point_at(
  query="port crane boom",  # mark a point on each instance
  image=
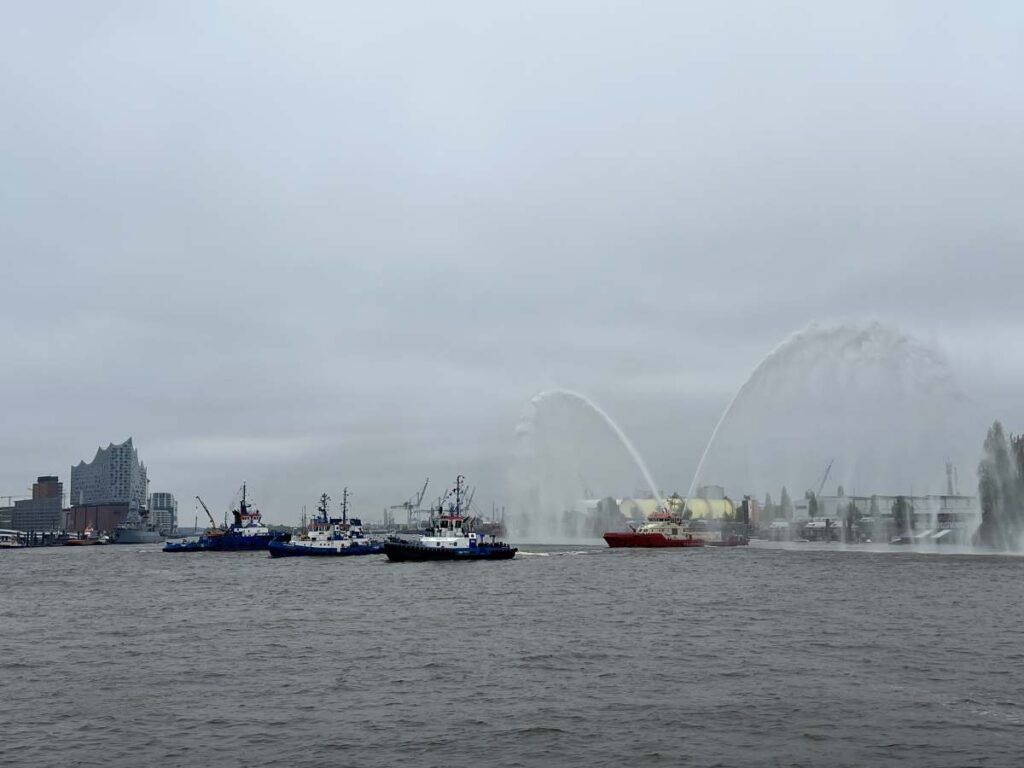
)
(410, 506)
(824, 477)
(213, 523)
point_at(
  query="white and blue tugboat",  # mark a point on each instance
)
(247, 533)
(328, 536)
(447, 540)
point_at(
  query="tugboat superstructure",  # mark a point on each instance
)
(328, 536)
(447, 539)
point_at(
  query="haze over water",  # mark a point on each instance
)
(574, 657)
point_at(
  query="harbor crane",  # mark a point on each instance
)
(824, 477)
(410, 506)
(213, 523)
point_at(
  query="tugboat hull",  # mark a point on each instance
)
(401, 551)
(185, 546)
(221, 544)
(289, 549)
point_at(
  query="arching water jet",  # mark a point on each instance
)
(557, 468)
(883, 404)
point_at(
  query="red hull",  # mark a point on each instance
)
(647, 540)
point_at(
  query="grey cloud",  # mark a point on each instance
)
(337, 243)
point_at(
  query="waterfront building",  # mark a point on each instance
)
(98, 517)
(106, 489)
(7, 517)
(114, 476)
(163, 512)
(946, 518)
(44, 511)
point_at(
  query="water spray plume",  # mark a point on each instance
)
(883, 404)
(553, 462)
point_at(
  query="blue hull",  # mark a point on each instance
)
(227, 543)
(184, 546)
(402, 551)
(288, 549)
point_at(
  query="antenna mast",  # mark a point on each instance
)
(458, 494)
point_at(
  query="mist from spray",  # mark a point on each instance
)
(1001, 491)
(569, 449)
(882, 407)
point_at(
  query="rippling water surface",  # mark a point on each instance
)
(126, 656)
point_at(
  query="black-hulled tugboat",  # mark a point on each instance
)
(328, 536)
(246, 534)
(447, 540)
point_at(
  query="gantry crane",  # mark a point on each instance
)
(410, 506)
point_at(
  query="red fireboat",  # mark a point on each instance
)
(663, 529)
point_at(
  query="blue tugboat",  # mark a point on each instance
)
(447, 540)
(328, 536)
(246, 534)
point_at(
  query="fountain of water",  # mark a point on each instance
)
(1001, 491)
(568, 449)
(883, 405)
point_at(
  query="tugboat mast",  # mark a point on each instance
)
(322, 508)
(344, 506)
(458, 493)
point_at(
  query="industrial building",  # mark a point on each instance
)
(43, 512)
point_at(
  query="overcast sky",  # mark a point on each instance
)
(316, 244)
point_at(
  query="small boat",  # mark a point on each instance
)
(447, 540)
(87, 537)
(10, 540)
(663, 529)
(328, 536)
(247, 533)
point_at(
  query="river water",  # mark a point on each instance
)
(565, 656)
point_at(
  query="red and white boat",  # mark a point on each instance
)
(662, 529)
(669, 529)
